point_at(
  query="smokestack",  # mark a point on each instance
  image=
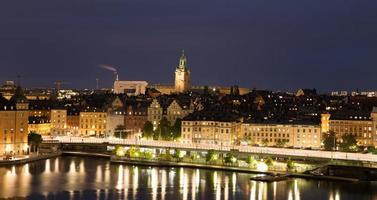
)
(113, 69)
(97, 83)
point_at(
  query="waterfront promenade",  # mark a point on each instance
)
(318, 154)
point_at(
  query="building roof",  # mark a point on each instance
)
(212, 116)
(350, 115)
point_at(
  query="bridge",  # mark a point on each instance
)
(278, 152)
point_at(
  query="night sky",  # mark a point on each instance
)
(267, 44)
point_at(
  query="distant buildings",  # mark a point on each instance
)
(183, 84)
(131, 88)
(209, 114)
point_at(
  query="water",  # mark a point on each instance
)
(88, 178)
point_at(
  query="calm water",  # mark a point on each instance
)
(88, 178)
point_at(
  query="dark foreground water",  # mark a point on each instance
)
(88, 178)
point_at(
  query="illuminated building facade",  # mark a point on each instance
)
(155, 113)
(93, 123)
(209, 132)
(14, 124)
(58, 119)
(362, 125)
(290, 135)
(182, 76)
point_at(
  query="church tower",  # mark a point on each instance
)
(182, 75)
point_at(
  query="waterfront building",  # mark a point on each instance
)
(40, 125)
(290, 134)
(209, 132)
(361, 124)
(135, 118)
(73, 121)
(14, 114)
(210, 127)
(115, 115)
(93, 123)
(58, 119)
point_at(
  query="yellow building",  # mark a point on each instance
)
(210, 132)
(358, 123)
(290, 135)
(93, 123)
(155, 113)
(73, 123)
(175, 111)
(40, 125)
(14, 124)
(58, 119)
(182, 75)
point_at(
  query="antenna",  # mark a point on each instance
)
(97, 83)
(18, 80)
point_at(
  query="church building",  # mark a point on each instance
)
(182, 75)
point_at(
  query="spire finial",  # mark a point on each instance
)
(183, 51)
(18, 80)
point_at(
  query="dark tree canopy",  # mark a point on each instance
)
(348, 143)
(148, 130)
(329, 141)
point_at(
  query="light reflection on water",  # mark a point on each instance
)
(86, 178)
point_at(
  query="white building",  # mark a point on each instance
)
(132, 88)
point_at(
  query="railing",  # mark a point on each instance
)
(245, 149)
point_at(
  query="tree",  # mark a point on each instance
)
(148, 155)
(147, 130)
(133, 152)
(250, 160)
(120, 132)
(178, 154)
(230, 158)
(119, 151)
(166, 156)
(34, 139)
(194, 156)
(281, 143)
(329, 141)
(211, 156)
(348, 143)
(265, 142)
(290, 165)
(176, 129)
(269, 162)
(164, 129)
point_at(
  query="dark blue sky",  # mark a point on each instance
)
(267, 44)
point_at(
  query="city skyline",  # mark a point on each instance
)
(280, 46)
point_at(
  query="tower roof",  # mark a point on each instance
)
(183, 62)
(18, 96)
(183, 55)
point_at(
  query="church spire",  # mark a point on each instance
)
(182, 61)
